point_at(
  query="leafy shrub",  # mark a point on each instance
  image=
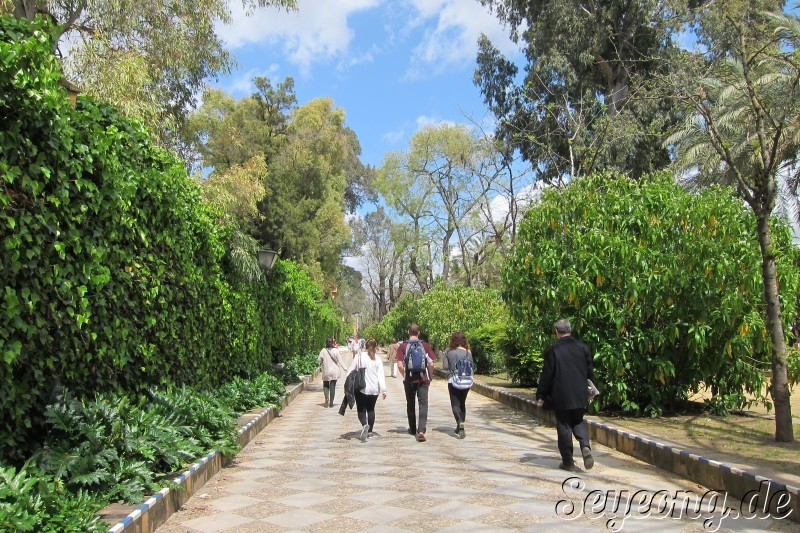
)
(265, 390)
(663, 284)
(395, 324)
(303, 365)
(104, 446)
(490, 347)
(439, 312)
(33, 501)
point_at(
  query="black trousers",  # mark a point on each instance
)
(417, 391)
(458, 402)
(569, 423)
(365, 405)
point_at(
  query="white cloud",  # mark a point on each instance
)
(424, 121)
(318, 30)
(242, 83)
(394, 137)
(454, 39)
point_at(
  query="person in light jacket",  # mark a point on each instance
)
(367, 397)
(331, 363)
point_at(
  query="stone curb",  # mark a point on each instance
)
(157, 509)
(760, 492)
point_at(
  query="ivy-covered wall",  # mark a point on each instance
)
(112, 274)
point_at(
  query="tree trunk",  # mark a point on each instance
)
(446, 254)
(780, 378)
(418, 274)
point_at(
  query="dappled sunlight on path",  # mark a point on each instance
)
(308, 471)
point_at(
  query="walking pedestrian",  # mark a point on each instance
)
(331, 362)
(563, 385)
(415, 361)
(458, 363)
(375, 385)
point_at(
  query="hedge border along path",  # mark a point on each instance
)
(156, 510)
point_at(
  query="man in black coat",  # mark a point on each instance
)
(563, 383)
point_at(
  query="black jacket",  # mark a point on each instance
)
(562, 383)
(349, 392)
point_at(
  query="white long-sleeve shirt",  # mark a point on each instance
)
(374, 376)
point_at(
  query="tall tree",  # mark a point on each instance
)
(383, 249)
(374, 235)
(224, 132)
(584, 102)
(304, 205)
(461, 191)
(148, 58)
(743, 129)
(411, 199)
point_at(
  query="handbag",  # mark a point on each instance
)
(361, 376)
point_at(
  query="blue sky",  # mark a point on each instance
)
(392, 65)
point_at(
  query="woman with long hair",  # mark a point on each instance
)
(331, 362)
(375, 384)
(457, 361)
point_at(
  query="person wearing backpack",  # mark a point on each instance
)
(415, 361)
(458, 362)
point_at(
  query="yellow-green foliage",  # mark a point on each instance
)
(665, 286)
(440, 312)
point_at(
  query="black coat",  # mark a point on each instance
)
(562, 383)
(349, 392)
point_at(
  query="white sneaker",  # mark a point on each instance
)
(364, 433)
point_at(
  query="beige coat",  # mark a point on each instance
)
(330, 361)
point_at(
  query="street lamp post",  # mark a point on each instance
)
(266, 258)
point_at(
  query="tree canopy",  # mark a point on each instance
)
(147, 58)
(584, 101)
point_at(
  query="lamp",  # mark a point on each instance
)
(266, 258)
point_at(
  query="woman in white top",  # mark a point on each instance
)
(331, 362)
(375, 385)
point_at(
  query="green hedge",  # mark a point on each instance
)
(665, 286)
(112, 264)
(477, 312)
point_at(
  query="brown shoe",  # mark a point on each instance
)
(421, 437)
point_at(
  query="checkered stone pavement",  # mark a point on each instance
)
(308, 471)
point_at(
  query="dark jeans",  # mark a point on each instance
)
(365, 405)
(417, 391)
(569, 423)
(458, 401)
(332, 386)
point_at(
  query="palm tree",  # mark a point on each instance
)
(742, 129)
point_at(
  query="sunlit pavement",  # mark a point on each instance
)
(308, 471)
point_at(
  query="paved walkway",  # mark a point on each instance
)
(308, 471)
